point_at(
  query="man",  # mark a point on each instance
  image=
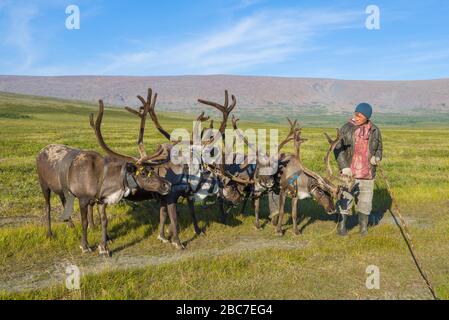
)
(358, 153)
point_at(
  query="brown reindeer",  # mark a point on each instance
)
(186, 182)
(246, 177)
(299, 182)
(93, 179)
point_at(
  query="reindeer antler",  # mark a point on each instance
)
(160, 155)
(297, 142)
(222, 172)
(142, 114)
(294, 127)
(225, 109)
(149, 106)
(96, 125)
(241, 136)
(201, 118)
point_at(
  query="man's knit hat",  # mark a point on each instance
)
(365, 109)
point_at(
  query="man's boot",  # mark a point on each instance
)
(341, 229)
(363, 224)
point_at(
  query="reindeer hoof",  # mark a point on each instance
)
(70, 224)
(200, 232)
(178, 246)
(50, 235)
(257, 226)
(85, 249)
(279, 232)
(162, 239)
(103, 252)
(296, 232)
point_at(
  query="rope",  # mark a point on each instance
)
(405, 233)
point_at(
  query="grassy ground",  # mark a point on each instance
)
(228, 262)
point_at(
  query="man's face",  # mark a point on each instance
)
(359, 118)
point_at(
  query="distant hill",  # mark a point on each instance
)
(262, 97)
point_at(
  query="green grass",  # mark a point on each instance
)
(229, 262)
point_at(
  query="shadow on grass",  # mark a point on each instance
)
(309, 211)
(381, 203)
(146, 213)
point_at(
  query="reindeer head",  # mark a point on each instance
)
(264, 178)
(324, 199)
(323, 190)
(232, 191)
(143, 168)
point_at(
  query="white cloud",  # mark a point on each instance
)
(19, 34)
(261, 38)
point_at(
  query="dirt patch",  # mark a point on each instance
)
(19, 221)
(43, 277)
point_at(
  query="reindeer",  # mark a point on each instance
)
(298, 182)
(187, 180)
(246, 178)
(93, 179)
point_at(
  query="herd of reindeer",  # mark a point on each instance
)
(100, 180)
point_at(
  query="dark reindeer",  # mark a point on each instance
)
(299, 182)
(93, 179)
(247, 179)
(200, 184)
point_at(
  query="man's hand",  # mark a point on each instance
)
(374, 160)
(346, 172)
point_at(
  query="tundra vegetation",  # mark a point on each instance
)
(229, 261)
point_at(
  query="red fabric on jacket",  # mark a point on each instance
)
(360, 165)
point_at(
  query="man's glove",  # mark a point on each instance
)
(346, 172)
(374, 160)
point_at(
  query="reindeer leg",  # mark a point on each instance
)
(69, 221)
(83, 208)
(222, 217)
(192, 212)
(242, 211)
(47, 192)
(281, 213)
(273, 204)
(90, 216)
(162, 218)
(103, 247)
(295, 215)
(171, 208)
(256, 212)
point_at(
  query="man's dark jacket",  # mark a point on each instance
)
(344, 150)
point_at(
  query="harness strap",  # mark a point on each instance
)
(130, 181)
(291, 184)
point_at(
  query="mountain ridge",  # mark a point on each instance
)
(261, 94)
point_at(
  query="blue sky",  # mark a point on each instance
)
(325, 39)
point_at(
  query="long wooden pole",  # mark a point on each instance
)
(405, 233)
